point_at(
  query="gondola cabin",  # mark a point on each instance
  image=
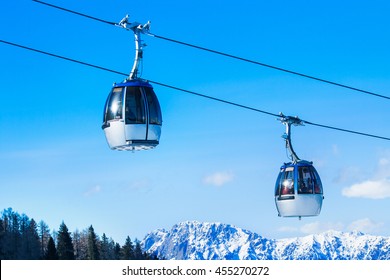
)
(132, 116)
(298, 190)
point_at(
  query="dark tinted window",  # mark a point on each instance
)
(317, 183)
(154, 107)
(277, 185)
(305, 180)
(285, 182)
(114, 103)
(134, 106)
(309, 181)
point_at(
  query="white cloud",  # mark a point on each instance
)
(92, 191)
(365, 225)
(288, 229)
(378, 189)
(218, 179)
(318, 227)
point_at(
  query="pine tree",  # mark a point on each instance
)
(127, 251)
(113, 251)
(138, 255)
(105, 248)
(64, 244)
(24, 251)
(117, 251)
(51, 251)
(44, 236)
(2, 234)
(31, 241)
(12, 236)
(93, 251)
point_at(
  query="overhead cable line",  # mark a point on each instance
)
(62, 57)
(74, 12)
(215, 99)
(192, 92)
(345, 130)
(230, 55)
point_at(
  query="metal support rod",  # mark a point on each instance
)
(138, 55)
(288, 121)
(138, 29)
(289, 146)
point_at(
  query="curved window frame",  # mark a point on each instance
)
(115, 99)
(310, 184)
(317, 183)
(135, 109)
(305, 180)
(155, 116)
(285, 183)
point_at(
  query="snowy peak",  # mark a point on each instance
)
(204, 241)
(333, 245)
(216, 241)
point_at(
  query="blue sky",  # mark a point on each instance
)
(215, 162)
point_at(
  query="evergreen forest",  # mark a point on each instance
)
(22, 238)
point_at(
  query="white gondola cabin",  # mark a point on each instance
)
(132, 116)
(298, 190)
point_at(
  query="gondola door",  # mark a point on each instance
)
(142, 117)
(113, 122)
(136, 118)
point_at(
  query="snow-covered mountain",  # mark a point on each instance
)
(215, 241)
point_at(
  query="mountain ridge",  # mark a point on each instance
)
(193, 240)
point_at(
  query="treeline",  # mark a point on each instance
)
(22, 238)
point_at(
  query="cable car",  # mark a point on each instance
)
(298, 187)
(298, 190)
(132, 115)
